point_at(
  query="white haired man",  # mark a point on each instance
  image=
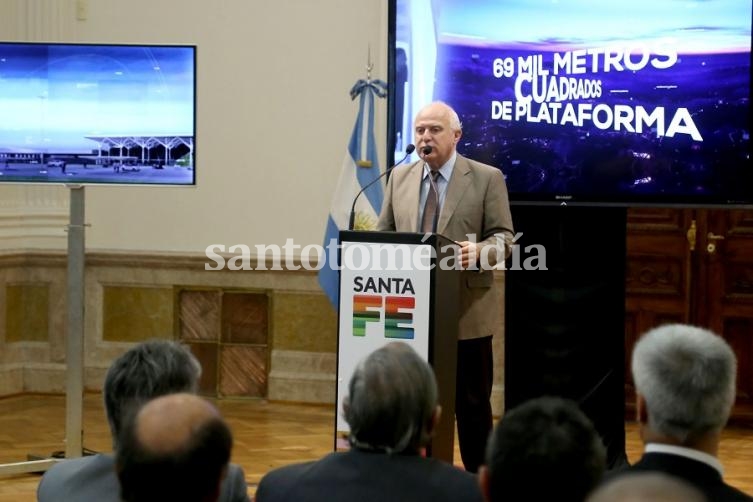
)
(685, 381)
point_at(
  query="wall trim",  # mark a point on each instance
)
(299, 376)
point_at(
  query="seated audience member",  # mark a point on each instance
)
(391, 409)
(176, 447)
(685, 381)
(544, 449)
(147, 370)
(646, 487)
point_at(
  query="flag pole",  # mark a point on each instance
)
(369, 64)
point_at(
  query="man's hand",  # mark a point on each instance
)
(468, 254)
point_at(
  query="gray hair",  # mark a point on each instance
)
(391, 398)
(646, 487)
(147, 370)
(687, 377)
(455, 123)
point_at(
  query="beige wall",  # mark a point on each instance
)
(273, 119)
(131, 297)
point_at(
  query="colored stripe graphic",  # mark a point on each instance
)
(398, 323)
(366, 308)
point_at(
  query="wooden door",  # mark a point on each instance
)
(694, 266)
(725, 293)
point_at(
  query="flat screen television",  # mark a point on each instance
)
(97, 114)
(580, 102)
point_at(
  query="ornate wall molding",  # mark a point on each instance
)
(34, 216)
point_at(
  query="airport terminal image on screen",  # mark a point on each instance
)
(114, 114)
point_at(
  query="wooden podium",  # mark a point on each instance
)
(393, 287)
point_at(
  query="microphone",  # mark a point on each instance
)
(426, 150)
(408, 150)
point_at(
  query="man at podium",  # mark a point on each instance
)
(465, 201)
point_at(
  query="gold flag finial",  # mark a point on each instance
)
(369, 64)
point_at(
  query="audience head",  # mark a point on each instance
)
(544, 449)
(392, 401)
(685, 377)
(176, 447)
(646, 487)
(146, 371)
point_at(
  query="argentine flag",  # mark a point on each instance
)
(360, 167)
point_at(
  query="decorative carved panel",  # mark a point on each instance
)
(228, 332)
(740, 222)
(27, 312)
(243, 371)
(655, 220)
(739, 333)
(245, 318)
(738, 282)
(654, 275)
(199, 315)
(135, 314)
(208, 356)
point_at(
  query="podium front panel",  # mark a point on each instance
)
(385, 293)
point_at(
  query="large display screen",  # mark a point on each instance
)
(84, 114)
(631, 103)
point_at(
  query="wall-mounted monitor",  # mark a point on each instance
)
(629, 103)
(97, 114)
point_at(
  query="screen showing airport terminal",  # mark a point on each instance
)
(89, 114)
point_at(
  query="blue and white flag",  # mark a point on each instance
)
(360, 167)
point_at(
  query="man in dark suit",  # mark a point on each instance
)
(465, 201)
(391, 409)
(685, 380)
(148, 370)
(175, 447)
(543, 449)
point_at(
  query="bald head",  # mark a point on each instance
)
(176, 447)
(437, 125)
(168, 423)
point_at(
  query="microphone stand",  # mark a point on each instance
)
(351, 221)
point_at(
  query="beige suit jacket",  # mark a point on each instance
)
(477, 209)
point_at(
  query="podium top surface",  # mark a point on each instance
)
(394, 237)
